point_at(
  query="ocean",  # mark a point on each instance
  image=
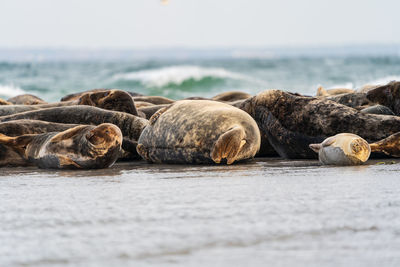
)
(265, 212)
(53, 75)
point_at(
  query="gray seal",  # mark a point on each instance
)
(199, 131)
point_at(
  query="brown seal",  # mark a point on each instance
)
(130, 125)
(231, 96)
(75, 96)
(156, 100)
(387, 95)
(321, 91)
(389, 146)
(81, 147)
(4, 102)
(26, 99)
(292, 122)
(115, 100)
(199, 131)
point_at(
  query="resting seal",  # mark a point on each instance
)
(81, 147)
(115, 100)
(156, 100)
(387, 95)
(342, 149)
(292, 122)
(75, 96)
(321, 91)
(231, 96)
(199, 131)
(26, 99)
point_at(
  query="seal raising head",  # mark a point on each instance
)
(343, 149)
(81, 147)
(199, 131)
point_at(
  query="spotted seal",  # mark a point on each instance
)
(199, 131)
(389, 146)
(81, 147)
(342, 149)
(292, 121)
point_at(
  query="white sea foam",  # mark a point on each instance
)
(10, 90)
(384, 80)
(161, 77)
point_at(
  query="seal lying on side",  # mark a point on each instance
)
(115, 100)
(231, 96)
(26, 99)
(81, 147)
(21, 127)
(199, 131)
(342, 149)
(292, 121)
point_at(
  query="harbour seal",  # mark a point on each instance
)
(150, 110)
(199, 131)
(26, 99)
(342, 149)
(387, 95)
(378, 109)
(81, 147)
(292, 122)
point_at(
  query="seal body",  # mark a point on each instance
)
(26, 99)
(199, 131)
(387, 95)
(292, 122)
(342, 149)
(81, 147)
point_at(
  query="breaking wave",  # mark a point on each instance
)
(178, 75)
(10, 90)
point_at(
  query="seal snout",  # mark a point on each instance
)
(106, 134)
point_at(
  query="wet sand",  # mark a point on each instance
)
(267, 212)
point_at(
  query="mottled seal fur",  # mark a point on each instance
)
(389, 146)
(231, 96)
(26, 99)
(387, 95)
(131, 126)
(342, 149)
(199, 131)
(156, 100)
(292, 122)
(378, 109)
(75, 96)
(81, 147)
(115, 100)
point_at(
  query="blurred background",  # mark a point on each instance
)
(181, 48)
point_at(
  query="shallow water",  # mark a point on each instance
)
(268, 212)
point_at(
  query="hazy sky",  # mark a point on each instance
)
(197, 23)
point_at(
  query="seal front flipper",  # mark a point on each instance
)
(228, 145)
(67, 162)
(67, 134)
(390, 145)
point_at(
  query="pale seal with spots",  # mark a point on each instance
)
(81, 147)
(342, 149)
(199, 131)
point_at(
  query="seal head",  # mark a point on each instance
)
(342, 149)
